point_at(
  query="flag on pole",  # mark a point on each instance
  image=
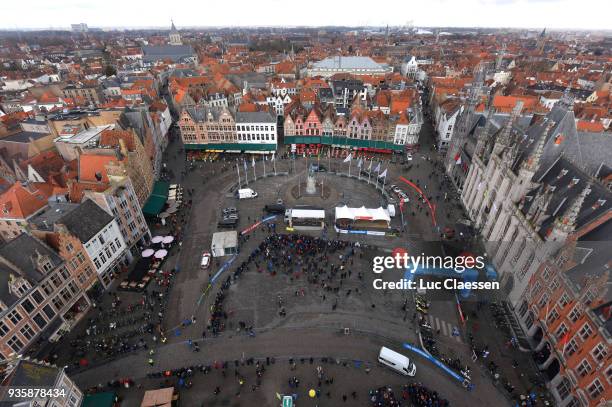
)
(383, 174)
(253, 163)
(377, 169)
(348, 158)
(359, 163)
(245, 165)
(272, 157)
(564, 340)
(370, 167)
(458, 158)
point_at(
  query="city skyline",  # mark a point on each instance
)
(520, 14)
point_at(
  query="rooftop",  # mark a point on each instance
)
(86, 220)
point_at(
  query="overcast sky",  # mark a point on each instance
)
(583, 14)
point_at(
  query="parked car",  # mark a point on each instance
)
(229, 211)
(275, 208)
(205, 263)
(246, 193)
(233, 216)
(227, 224)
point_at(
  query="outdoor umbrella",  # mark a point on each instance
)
(148, 253)
(164, 215)
(157, 239)
(168, 239)
(160, 254)
(172, 209)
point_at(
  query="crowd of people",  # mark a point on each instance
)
(295, 256)
(412, 394)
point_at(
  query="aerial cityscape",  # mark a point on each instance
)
(357, 210)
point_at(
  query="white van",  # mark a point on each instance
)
(396, 361)
(246, 193)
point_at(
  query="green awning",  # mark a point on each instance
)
(157, 199)
(232, 147)
(344, 142)
(106, 399)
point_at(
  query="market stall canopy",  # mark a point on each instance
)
(363, 213)
(160, 254)
(158, 398)
(157, 199)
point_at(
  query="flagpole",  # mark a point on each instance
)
(254, 173)
(264, 165)
(370, 171)
(274, 163)
(238, 171)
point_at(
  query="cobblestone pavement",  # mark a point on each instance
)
(311, 328)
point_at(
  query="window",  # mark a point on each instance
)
(575, 314)
(37, 297)
(526, 266)
(564, 300)
(571, 348)
(65, 274)
(552, 316)
(80, 257)
(523, 309)
(546, 273)
(543, 300)
(599, 352)
(4, 329)
(554, 284)
(609, 374)
(102, 258)
(595, 389)
(15, 344)
(584, 368)
(49, 311)
(14, 316)
(97, 263)
(58, 303)
(101, 238)
(27, 305)
(27, 332)
(55, 279)
(564, 388)
(40, 321)
(69, 247)
(561, 331)
(585, 332)
(46, 286)
(66, 295)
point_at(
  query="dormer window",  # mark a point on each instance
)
(47, 266)
(599, 203)
(573, 182)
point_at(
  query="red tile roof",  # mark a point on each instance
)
(92, 164)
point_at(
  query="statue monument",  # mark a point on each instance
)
(311, 183)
